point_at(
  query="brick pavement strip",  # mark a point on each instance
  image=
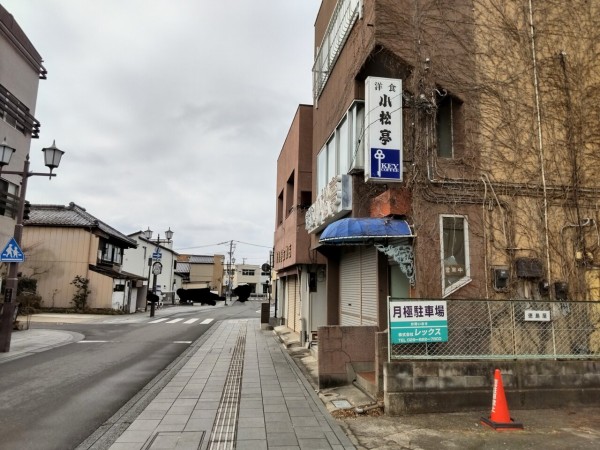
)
(277, 406)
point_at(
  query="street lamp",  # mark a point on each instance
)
(156, 266)
(52, 156)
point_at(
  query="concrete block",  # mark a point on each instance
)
(405, 369)
(477, 382)
(539, 381)
(397, 383)
(426, 369)
(450, 383)
(426, 383)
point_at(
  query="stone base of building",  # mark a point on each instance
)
(452, 386)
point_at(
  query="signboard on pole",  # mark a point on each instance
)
(418, 321)
(383, 129)
(12, 252)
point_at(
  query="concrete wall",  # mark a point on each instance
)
(343, 350)
(449, 386)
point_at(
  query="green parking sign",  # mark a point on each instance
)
(418, 321)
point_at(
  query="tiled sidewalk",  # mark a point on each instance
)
(240, 390)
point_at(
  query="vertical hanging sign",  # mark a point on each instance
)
(383, 123)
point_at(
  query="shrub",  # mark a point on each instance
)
(81, 292)
(29, 301)
(26, 284)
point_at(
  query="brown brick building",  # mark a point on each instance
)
(471, 177)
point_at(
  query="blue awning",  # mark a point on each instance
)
(359, 230)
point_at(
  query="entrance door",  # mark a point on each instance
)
(399, 284)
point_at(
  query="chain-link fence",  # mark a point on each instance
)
(513, 329)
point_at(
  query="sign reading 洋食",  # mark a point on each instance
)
(418, 321)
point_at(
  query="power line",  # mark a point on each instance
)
(201, 246)
(224, 243)
(255, 245)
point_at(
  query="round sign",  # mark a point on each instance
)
(265, 267)
(157, 268)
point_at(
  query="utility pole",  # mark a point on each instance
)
(229, 270)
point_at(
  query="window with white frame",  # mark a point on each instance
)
(343, 151)
(109, 253)
(248, 272)
(454, 240)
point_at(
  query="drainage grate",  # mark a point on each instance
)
(341, 404)
(224, 429)
(173, 439)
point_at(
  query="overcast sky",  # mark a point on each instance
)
(171, 112)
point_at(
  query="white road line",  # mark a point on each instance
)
(159, 320)
(182, 342)
(191, 321)
(205, 321)
(90, 342)
(175, 320)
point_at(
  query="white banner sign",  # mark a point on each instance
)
(383, 123)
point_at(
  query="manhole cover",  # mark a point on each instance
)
(183, 439)
(341, 404)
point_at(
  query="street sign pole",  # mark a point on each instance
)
(156, 270)
(9, 306)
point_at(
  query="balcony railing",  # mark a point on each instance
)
(343, 18)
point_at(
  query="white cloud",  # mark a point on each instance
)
(172, 112)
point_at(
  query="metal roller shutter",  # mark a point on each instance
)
(369, 286)
(292, 298)
(358, 286)
(298, 305)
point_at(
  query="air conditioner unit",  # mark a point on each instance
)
(529, 268)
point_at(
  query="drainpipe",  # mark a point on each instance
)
(539, 138)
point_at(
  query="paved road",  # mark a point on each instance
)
(57, 398)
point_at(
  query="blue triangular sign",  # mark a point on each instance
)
(12, 252)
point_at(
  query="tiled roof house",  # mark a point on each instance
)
(62, 242)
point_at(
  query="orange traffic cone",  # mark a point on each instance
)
(500, 419)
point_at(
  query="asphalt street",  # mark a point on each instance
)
(53, 395)
(56, 398)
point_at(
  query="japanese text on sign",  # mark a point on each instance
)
(418, 321)
(383, 122)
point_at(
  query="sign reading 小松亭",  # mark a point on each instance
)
(414, 322)
(383, 125)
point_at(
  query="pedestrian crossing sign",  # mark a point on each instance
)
(12, 252)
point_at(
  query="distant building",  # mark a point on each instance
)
(199, 271)
(62, 242)
(139, 261)
(249, 274)
(300, 271)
